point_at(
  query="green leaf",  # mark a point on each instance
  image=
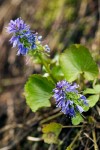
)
(85, 107)
(51, 132)
(77, 60)
(89, 91)
(95, 90)
(38, 91)
(77, 119)
(57, 72)
(93, 100)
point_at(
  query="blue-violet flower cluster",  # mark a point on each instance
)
(22, 37)
(68, 99)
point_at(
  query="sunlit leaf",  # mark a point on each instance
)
(57, 72)
(85, 107)
(93, 99)
(94, 90)
(97, 89)
(89, 91)
(77, 119)
(77, 60)
(38, 91)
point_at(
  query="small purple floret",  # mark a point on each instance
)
(47, 48)
(22, 50)
(83, 98)
(79, 108)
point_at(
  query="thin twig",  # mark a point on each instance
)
(88, 137)
(74, 140)
(79, 126)
(51, 117)
(94, 139)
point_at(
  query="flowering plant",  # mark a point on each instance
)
(62, 76)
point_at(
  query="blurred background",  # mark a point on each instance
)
(61, 23)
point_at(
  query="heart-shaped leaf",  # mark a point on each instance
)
(38, 91)
(78, 60)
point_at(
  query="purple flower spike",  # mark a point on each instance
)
(68, 99)
(22, 37)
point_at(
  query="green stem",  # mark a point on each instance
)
(79, 126)
(50, 118)
(47, 67)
